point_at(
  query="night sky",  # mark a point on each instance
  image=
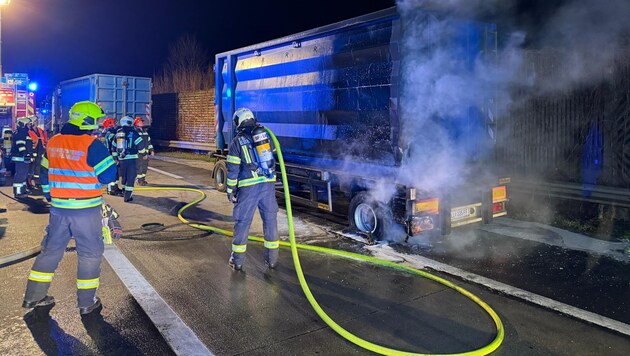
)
(55, 40)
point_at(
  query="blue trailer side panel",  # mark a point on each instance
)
(333, 95)
(117, 95)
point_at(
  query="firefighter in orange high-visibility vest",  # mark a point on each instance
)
(74, 167)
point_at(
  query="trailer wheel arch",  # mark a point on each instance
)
(369, 216)
(219, 175)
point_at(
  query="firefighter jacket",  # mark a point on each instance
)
(39, 137)
(7, 142)
(110, 141)
(74, 167)
(243, 169)
(146, 141)
(22, 146)
(133, 143)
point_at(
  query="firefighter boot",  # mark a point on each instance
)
(234, 266)
(47, 300)
(116, 192)
(87, 310)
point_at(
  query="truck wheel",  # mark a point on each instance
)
(367, 216)
(220, 176)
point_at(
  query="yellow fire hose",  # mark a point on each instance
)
(492, 346)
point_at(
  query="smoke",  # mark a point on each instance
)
(587, 36)
(453, 90)
(452, 97)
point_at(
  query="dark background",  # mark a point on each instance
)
(55, 40)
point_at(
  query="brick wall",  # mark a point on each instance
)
(187, 116)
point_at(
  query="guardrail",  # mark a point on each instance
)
(574, 191)
(187, 145)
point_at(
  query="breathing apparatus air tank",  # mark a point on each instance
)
(121, 143)
(262, 150)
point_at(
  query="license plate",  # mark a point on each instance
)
(461, 213)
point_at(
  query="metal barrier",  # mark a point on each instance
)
(574, 191)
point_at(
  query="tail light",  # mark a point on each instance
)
(427, 206)
(499, 194)
(498, 207)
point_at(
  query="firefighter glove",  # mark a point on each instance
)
(231, 195)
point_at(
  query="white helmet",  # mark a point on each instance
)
(126, 121)
(241, 115)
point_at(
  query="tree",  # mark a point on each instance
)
(187, 68)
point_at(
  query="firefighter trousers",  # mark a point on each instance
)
(85, 226)
(143, 166)
(263, 197)
(19, 179)
(128, 172)
(37, 163)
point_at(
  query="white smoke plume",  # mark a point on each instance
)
(443, 87)
(588, 36)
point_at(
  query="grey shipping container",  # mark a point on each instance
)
(118, 95)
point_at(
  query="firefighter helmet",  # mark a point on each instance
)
(241, 116)
(126, 121)
(85, 115)
(109, 123)
(23, 121)
(138, 122)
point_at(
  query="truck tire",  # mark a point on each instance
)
(368, 216)
(219, 173)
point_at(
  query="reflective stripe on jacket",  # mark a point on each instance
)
(69, 175)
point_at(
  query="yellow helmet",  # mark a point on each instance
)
(85, 115)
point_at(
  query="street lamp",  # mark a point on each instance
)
(2, 3)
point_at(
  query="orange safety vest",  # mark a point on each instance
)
(38, 136)
(69, 175)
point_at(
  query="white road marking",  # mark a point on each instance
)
(166, 173)
(178, 335)
(420, 262)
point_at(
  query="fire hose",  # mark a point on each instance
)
(492, 346)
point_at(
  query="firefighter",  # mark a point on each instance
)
(7, 144)
(143, 156)
(128, 143)
(73, 169)
(40, 139)
(109, 132)
(21, 156)
(250, 184)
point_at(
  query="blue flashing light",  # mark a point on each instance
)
(32, 86)
(44, 111)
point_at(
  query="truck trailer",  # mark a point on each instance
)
(335, 97)
(117, 95)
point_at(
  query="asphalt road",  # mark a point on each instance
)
(121, 328)
(264, 312)
(532, 266)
